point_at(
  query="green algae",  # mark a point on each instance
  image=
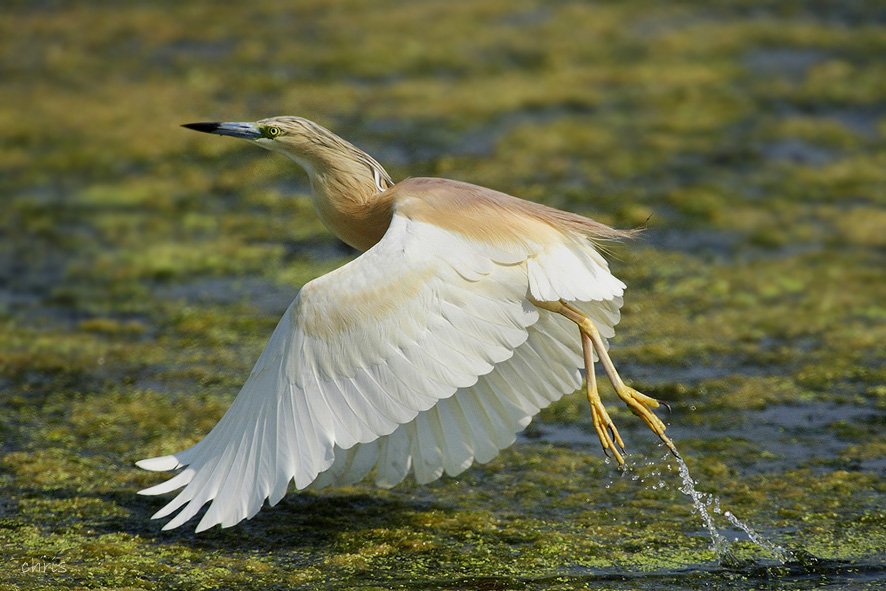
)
(144, 268)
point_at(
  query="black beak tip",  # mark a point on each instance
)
(204, 127)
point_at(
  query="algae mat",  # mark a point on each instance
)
(142, 268)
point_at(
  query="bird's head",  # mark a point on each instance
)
(348, 184)
(314, 148)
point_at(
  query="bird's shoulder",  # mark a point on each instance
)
(479, 213)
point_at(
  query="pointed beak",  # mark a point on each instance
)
(246, 131)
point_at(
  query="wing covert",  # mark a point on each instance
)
(359, 352)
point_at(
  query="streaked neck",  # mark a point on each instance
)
(348, 189)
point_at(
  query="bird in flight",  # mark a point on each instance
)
(467, 312)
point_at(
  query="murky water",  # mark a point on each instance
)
(815, 575)
(776, 566)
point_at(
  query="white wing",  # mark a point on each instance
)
(423, 353)
(478, 421)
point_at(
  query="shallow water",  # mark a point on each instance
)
(791, 435)
(143, 267)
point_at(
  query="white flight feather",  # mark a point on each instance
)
(442, 379)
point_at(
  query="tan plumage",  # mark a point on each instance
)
(428, 352)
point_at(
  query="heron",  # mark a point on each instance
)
(467, 312)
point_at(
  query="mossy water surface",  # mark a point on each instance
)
(143, 267)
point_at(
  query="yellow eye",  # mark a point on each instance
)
(273, 131)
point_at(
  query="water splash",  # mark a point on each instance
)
(780, 554)
(707, 506)
(719, 543)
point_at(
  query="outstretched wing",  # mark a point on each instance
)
(477, 422)
(354, 372)
(359, 352)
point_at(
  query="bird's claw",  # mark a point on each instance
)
(606, 431)
(640, 404)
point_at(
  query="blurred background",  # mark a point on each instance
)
(143, 267)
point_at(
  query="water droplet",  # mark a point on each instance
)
(777, 552)
(719, 544)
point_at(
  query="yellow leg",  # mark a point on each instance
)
(602, 422)
(638, 402)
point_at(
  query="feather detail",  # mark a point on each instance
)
(423, 355)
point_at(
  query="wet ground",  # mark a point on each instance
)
(142, 268)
